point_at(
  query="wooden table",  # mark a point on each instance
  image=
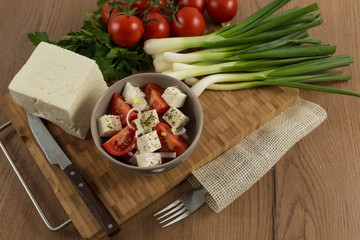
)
(312, 192)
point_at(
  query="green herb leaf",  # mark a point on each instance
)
(107, 69)
(38, 37)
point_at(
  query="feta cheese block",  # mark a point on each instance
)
(174, 97)
(109, 125)
(148, 143)
(60, 86)
(134, 96)
(175, 118)
(148, 159)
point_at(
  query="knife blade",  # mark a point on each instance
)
(55, 155)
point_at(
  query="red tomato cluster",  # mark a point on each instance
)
(128, 25)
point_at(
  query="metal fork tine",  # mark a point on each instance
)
(175, 214)
(183, 207)
(171, 211)
(168, 207)
(184, 215)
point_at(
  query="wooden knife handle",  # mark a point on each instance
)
(92, 201)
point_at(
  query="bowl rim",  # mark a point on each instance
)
(151, 169)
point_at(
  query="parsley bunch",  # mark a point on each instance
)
(94, 42)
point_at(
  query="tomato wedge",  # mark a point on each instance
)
(153, 97)
(121, 143)
(119, 107)
(169, 141)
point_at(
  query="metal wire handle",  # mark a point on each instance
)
(41, 213)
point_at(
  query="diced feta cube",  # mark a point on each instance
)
(109, 125)
(175, 118)
(140, 130)
(147, 121)
(148, 143)
(148, 159)
(174, 97)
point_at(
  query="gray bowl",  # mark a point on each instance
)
(191, 108)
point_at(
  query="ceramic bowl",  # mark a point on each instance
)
(192, 109)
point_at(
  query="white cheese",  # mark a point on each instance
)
(147, 121)
(134, 96)
(148, 143)
(109, 125)
(139, 129)
(148, 159)
(60, 86)
(174, 97)
(175, 118)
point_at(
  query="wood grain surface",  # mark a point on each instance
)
(312, 193)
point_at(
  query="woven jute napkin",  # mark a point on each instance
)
(235, 171)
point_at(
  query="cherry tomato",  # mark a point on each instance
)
(119, 107)
(169, 141)
(125, 31)
(121, 143)
(189, 22)
(156, 8)
(199, 4)
(222, 10)
(153, 97)
(105, 15)
(141, 5)
(158, 28)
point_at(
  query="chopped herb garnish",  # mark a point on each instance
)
(170, 115)
(181, 126)
(145, 124)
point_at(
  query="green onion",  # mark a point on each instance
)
(283, 82)
(266, 49)
(282, 52)
(234, 66)
(310, 66)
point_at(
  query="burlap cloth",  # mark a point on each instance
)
(236, 170)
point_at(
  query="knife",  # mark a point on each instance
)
(55, 155)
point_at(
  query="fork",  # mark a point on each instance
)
(184, 206)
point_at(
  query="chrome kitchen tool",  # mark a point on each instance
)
(184, 206)
(55, 155)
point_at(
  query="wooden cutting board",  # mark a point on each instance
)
(228, 118)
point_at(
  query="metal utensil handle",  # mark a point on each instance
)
(38, 208)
